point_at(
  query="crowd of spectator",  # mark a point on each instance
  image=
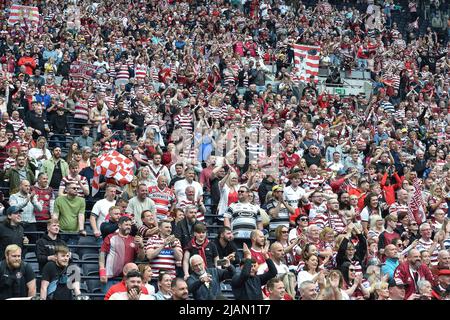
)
(248, 182)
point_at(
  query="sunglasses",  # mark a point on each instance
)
(304, 219)
(242, 191)
(284, 232)
(352, 270)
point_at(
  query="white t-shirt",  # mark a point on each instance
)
(180, 188)
(292, 195)
(100, 210)
(124, 296)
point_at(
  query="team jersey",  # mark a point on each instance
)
(120, 251)
(426, 245)
(244, 218)
(165, 260)
(291, 195)
(283, 216)
(162, 199)
(332, 220)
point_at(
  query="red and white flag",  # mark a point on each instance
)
(416, 206)
(112, 165)
(25, 15)
(306, 59)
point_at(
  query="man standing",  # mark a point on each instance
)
(247, 284)
(180, 186)
(391, 263)
(56, 168)
(84, 140)
(191, 201)
(20, 172)
(204, 283)
(163, 197)
(184, 230)
(242, 216)
(101, 209)
(45, 197)
(74, 177)
(17, 279)
(118, 249)
(112, 224)
(54, 284)
(200, 245)
(140, 203)
(226, 248)
(11, 230)
(278, 209)
(332, 218)
(293, 193)
(205, 175)
(426, 243)
(411, 272)
(45, 246)
(278, 258)
(27, 202)
(157, 169)
(164, 250)
(70, 211)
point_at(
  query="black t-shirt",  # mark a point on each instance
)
(57, 176)
(51, 273)
(120, 123)
(138, 119)
(13, 283)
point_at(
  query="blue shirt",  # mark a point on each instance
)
(389, 267)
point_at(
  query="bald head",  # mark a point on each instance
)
(129, 267)
(390, 251)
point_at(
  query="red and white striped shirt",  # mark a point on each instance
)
(140, 71)
(17, 124)
(397, 208)
(332, 220)
(82, 110)
(184, 120)
(182, 204)
(162, 199)
(165, 260)
(314, 182)
(426, 245)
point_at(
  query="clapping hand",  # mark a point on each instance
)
(246, 251)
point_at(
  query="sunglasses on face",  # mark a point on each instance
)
(304, 219)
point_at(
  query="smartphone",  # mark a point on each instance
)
(221, 262)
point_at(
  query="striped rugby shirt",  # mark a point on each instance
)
(244, 218)
(165, 260)
(162, 199)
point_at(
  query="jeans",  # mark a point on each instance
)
(70, 239)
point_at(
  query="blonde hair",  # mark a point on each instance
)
(11, 248)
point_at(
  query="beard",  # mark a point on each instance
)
(15, 264)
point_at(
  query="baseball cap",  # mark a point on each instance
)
(277, 188)
(341, 172)
(393, 283)
(13, 209)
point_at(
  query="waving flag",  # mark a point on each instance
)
(112, 165)
(416, 206)
(25, 15)
(307, 59)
